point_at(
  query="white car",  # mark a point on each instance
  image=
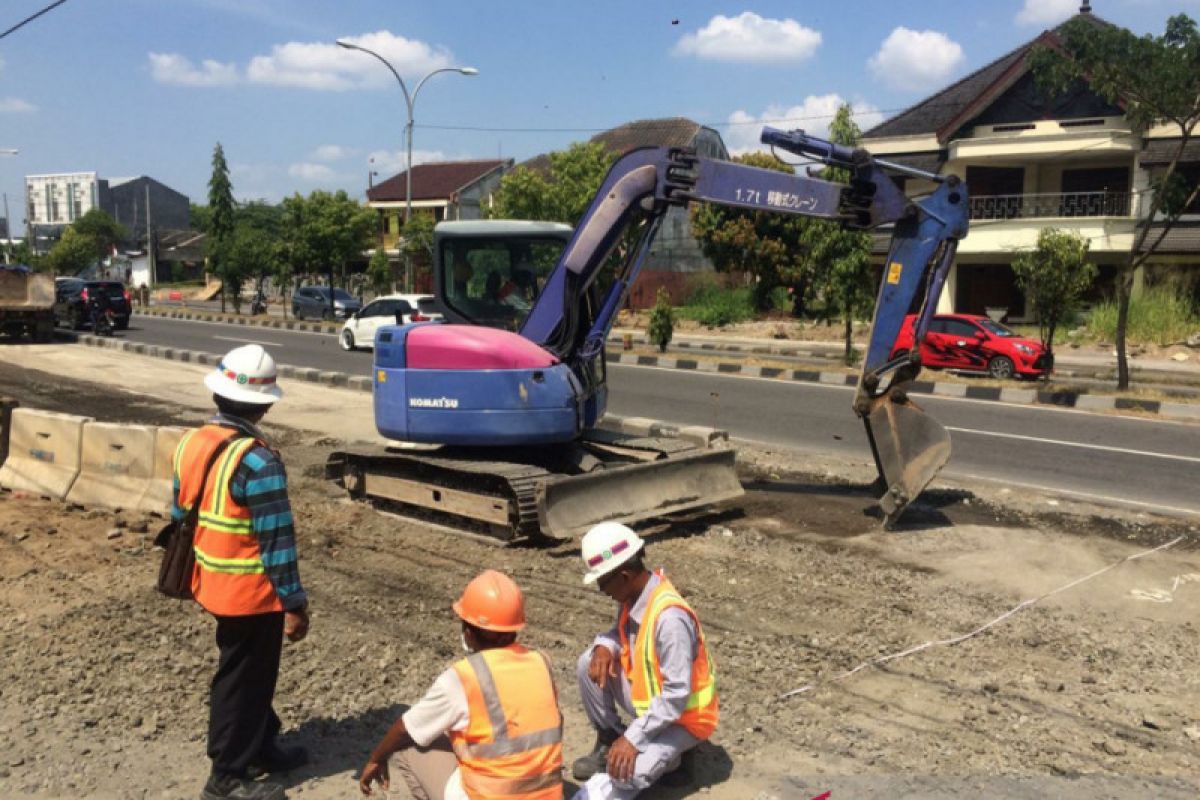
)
(392, 309)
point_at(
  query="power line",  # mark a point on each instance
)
(32, 17)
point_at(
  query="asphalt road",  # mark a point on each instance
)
(1143, 462)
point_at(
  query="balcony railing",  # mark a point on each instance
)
(1067, 204)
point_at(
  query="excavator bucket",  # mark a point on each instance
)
(910, 449)
(568, 506)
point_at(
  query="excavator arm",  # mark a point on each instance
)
(572, 320)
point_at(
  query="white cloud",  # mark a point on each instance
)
(750, 38)
(1046, 12)
(916, 60)
(813, 116)
(332, 152)
(325, 66)
(313, 173)
(174, 69)
(15, 105)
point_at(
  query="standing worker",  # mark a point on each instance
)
(246, 574)
(654, 664)
(490, 726)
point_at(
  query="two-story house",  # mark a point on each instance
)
(1030, 161)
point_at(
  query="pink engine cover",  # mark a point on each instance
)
(472, 347)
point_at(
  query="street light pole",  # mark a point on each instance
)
(409, 101)
(8, 151)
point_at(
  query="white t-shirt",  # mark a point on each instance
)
(442, 709)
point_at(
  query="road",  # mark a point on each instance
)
(1137, 461)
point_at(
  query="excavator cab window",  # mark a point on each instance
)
(495, 281)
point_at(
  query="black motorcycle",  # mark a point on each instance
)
(259, 304)
(104, 321)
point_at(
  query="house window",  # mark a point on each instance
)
(996, 192)
(54, 209)
(1100, 192)
(1191, 172)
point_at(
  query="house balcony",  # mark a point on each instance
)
(1051, 205)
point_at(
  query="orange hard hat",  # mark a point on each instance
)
(492, 601)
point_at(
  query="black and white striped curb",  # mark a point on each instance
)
(1062, 399)
(235, 319)
(641, 426)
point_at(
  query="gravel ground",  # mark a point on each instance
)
(1091, 693)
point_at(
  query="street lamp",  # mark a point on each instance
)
(409, 100)
(8, 151)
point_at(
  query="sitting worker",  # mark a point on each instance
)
(654, 664)
(490, 725)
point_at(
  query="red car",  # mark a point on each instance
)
(976, 344)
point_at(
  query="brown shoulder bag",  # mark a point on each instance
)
(176, 538)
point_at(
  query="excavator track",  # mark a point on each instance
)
(542, 493)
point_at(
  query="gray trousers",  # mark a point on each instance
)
(425, 770)
(660, 755)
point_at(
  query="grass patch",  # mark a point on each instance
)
(715, 307)
(1159, 315)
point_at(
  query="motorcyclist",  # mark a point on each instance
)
(100, 306)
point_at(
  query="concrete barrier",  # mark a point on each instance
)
(116, 467)
(44, 455)
(159, 493)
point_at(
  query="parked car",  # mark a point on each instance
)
(976, 344)
(313, 301)
(392, 309)
(71, 297)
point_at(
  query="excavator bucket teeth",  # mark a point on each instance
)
(910, 449)
(568, 506)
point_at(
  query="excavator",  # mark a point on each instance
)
(493, 413)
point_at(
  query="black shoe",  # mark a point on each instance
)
(275, 758)
(229, 788)
(681, 776)
(597, 760)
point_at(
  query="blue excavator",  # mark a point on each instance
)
(494, 413)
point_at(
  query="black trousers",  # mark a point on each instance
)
(241, 721)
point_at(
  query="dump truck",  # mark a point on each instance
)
(26, 303)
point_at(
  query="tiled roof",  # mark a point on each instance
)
(666, 132)
(1161, 151)
(436, 181)
(934, 113)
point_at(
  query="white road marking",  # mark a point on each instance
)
(1062, 443)
(247, 341)
(1106, 498)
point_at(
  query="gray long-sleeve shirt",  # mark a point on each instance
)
(676, 642)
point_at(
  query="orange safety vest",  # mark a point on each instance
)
(640, 663)
(512, 745)
(229, 578)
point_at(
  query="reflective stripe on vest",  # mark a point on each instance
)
(229, 578)
(493, 762)
(641, 665)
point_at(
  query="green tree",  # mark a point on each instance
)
(221, 218)
(248, 253)
(200, 217)
(98, 227)
(1156, 80)
(1054, 277)
(71, 254)
(325, 231)
(662, 320)
(379, 272)
(771, 246)
(560, 194)
(842, 257)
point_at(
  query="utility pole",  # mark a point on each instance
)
(150, 259)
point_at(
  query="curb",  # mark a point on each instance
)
(1061, 399)
(235, 319)
(710, 438)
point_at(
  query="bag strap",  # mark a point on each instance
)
(193, 515)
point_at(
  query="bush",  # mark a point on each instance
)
(714, 307)
(662, 320)
(1159, 315)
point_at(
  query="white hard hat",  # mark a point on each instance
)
(607, 546)
(245, 375)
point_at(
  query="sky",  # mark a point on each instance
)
(149, 87)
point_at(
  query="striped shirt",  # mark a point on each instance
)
(260, 484)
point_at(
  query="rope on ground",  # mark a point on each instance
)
(958, 639)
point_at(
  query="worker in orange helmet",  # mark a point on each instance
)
(490, 726)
